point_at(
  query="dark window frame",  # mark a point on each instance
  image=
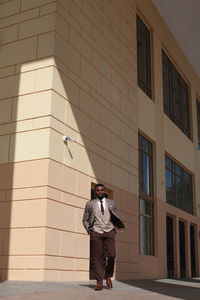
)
(182, 247)
(176, 96)
(144, 57)
(146, 200)
(170, 245)
(193, 249)
(198, 121)
(180, 185)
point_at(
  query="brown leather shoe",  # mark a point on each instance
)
(99, 286)
(109, 282)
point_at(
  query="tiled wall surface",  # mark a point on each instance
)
(94, 103)
(68, 67)
(65, 68)
(26, 71)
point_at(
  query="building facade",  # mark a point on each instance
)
(109, 75)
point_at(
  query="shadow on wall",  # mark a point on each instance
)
(99, 151)
(83, 118)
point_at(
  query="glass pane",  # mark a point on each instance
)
(144, 173)
(179, 190)
(142, 51)
(168, 163)
(179, 193)
(198, 122)
(182, 249)
(169, 187)
(145, 166)
(178, 170)
(193, 254)
(176, 98)
(143, 237)
(143, 57)
(166, 88)
(187, 177)
(149, 235)
(145, 145)
(185, 108)
(146, 235)
(170, 246)
(188, 194)
(175, 94)
(146, 207)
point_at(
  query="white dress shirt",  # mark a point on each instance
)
(103, 202)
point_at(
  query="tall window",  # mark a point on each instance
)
(175, 94)
(146, 196)
(143, 57)
(178, 186)
(198, 122)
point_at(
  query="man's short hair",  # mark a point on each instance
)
(99, 184)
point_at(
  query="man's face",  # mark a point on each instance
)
(100, 192)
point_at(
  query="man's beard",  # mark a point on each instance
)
(100, 196)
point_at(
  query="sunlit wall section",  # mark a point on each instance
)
(27, 42)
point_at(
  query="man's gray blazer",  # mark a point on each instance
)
(88, 216)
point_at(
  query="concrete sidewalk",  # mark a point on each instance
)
(188, 289)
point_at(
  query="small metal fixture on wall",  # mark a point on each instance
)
(67, 139)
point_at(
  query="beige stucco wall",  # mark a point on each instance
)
(27, 31)
(168, 138)
(68, 68)
(94, 103)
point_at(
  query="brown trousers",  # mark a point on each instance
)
(103, 244)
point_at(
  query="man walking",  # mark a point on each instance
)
(100, 220)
